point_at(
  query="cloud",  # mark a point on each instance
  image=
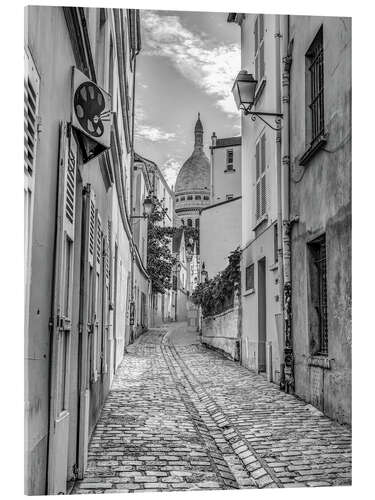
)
(211, 66)
(170, 170)
(153, 134)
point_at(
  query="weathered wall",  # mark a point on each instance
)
(262, 247)
(321, 197)
(225, 182)
(222, 332)
(258, 236)
(220, 224)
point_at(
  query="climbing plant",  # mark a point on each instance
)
(217, 294)
(160, 260)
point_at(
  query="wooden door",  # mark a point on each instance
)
(86, 326)
(62, 313)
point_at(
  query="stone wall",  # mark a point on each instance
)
(222, 332)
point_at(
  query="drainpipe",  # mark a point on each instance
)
(132, 305)
(279, 189)
(285, 151)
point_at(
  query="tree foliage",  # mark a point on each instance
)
(160, 260)
(217, 294)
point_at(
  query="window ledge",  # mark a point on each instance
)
(249, 292)
(230, 170)
(274, 267)
(259, 89)
(313, 148)
(260, 220)
(320, 361)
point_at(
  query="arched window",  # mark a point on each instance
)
(189, 197)
(189, 223)
(198, 197)
(205, 197)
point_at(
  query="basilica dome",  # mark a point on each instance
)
(195, 172)
(192, 189)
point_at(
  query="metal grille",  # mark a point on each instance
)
(320, 262)
(315, 56)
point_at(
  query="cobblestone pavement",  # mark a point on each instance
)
(182, 417)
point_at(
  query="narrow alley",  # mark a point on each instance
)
(182, 417)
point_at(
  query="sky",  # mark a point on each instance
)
(187, 65)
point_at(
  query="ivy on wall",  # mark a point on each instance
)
(160, 260)
(217, 294)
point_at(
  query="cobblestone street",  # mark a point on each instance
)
(182, 417)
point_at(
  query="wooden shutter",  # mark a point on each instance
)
(96, 297)
(263, 175)
(31, 106)
(62, 312)
(257, 175)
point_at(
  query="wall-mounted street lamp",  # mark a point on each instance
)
(243, 91)
(148, 208)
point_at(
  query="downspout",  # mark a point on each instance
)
(285, 151)
(132, 305)
(279, 192)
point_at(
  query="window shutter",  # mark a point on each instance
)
(31, 105)
(261, 61)
(263, 152)
(257, 160)
(256, 37)
(263, 195)
(258, 196)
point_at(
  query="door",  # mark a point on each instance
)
(262, 315)
(86, 326)
(62, 313)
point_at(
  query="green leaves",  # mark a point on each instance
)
(160, 260)
(217, 294)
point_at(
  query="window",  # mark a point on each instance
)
(259, 47)
(182, 198)
(229, 159)
(314, 57)
(260, 165)
(177, 199)
(198, 197)
(197, 223)
(189, 197)
(205, 197)
(249, 281)
(318, 320)
(229, 197)
(189, 223)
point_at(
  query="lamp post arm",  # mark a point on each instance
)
(255, 114)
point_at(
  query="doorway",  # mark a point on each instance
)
(262, 315)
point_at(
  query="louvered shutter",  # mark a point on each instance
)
(257, 174)
(263, 175)
(31, 105)
(256, 44)
(105, 309)
(96, 296)
(62, 311)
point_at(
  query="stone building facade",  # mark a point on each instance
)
(320, 197)
(192, 189)
(296, 236)
(79, 241)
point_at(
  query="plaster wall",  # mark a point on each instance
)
(222, 332)
(261, 247)
(225, 182)
(220, 234)
(321, 197)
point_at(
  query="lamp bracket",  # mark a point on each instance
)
(260, 114)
